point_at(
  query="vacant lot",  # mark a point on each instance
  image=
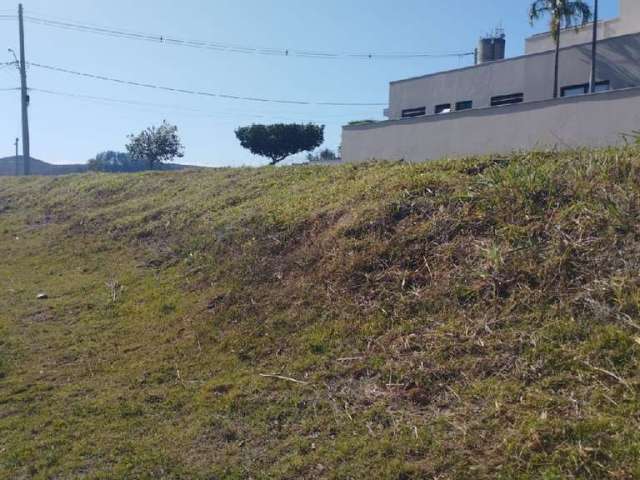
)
(467, 320)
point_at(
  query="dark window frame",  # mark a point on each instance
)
(414, 112)
(464, 105)
(440, 109)
(584, 87)
(510, 99)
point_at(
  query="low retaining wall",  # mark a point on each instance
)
(597, 120)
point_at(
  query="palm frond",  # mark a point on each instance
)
(538, 9)
(565, 13)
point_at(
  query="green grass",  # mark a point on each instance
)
(473, 319)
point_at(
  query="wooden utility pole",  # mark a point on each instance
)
(26, 151)
(594, 50)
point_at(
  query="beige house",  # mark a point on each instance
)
(502, 105)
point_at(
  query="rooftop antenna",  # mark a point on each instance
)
(492, 46)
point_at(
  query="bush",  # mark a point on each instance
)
(325, 155)
(115, 162)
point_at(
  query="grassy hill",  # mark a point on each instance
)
(466, 320)
(9, 166)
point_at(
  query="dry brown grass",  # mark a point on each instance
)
(471, 319)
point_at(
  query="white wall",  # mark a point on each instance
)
(618, 62)
(477, 83)
(588, 121)
(630, 12)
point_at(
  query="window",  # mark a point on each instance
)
(507, 99)
(466, 105)
(574, 90)
(414, 112)
(444, 108)
(583, 89)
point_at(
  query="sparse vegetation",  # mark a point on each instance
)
(362, 122)
(472, 319)
(326, 155)
(113, 162)
(633, 137)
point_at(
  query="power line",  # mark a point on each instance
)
(113, 100)
(233, 48)
(9, 89)
(201, 93)
(203, 113)
(165, 105)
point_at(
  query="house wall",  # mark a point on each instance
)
(627, 23)
(587, 121)
(619, 62)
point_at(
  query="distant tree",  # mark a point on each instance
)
(156, 145)
(279, 141)
(362, 122)
(562, 14)
(111, 161)
(325, 155)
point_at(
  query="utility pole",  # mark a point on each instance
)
(594, 50)
(17, 158)
(26, 151)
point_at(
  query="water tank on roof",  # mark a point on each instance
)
(492, 47)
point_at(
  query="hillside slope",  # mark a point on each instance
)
(8, 167)
(465, 320)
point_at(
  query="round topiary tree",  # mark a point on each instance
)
(279, 141)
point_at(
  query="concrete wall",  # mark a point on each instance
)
(588, 121)
(619, 63)
(544, 42)
(627, 23)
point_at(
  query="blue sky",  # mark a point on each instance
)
(72, 130)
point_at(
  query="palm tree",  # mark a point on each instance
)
(594, 50)
(563, 14)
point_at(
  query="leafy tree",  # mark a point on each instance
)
(563, 14)
(156, 145)
(279, 141)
